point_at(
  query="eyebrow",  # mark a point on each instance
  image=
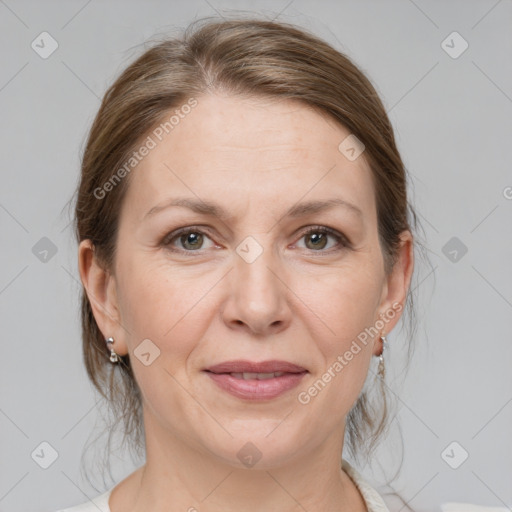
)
(214, 210)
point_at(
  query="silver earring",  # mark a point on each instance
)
(113, 355)
(381, 369)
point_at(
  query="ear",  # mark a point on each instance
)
(100, 286)
(394, 292)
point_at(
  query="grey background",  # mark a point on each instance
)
(453, 120)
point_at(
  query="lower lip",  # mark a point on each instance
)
(254, 389)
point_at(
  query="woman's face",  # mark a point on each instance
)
(247, 282)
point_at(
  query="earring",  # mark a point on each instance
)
(113, 355)
(381, 370)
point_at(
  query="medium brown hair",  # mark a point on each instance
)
(247, 57)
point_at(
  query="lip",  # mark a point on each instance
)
(240, 365)
(254, 389)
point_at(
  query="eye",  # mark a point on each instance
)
(317, 238)
(191, 239)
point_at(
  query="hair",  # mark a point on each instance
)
(244, 57)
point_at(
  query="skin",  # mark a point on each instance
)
(298, 302)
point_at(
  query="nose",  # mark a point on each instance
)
(258, 301)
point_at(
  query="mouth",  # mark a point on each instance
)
(256, 381)
(260, 368)
(254, 376)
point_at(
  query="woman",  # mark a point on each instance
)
(244, 248)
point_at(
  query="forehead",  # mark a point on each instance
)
(248, 149)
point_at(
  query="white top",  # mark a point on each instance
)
(372, 499)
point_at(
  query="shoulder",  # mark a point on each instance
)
(372, 498)
(98, 504)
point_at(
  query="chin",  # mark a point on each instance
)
(258, 447)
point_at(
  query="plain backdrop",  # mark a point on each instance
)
(449, 97)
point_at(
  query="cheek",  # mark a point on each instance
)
(166, 305)
(160, 304)
(345, 300)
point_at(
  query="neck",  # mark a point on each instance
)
(179, 476)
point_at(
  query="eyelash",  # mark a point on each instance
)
(343, 242)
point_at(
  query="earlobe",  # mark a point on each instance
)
(100, 287)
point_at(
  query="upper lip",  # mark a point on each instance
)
(243, 366)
